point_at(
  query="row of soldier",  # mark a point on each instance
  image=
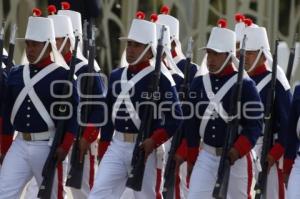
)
(34, 97)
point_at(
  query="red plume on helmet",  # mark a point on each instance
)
(165, 10)
(140, 15)
(222, 23)
(65, 5)
(52, 10)
(239, 17)
(248, 22)
(36, 12)
(153, 17)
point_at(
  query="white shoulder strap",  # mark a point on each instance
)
(79, 65)
(28, 90)
(167, 74)
(264, 82)
(215, 101)
(124, 95)
(282, 78)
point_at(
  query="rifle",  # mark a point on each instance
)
(136, 175)
(169, 175)
(49, 168)
(85, 38)
(221, 186)
(2, 82)
(76, 172)
(260, 186)
(11, 48)
(291, 60)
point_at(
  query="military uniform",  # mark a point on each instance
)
(210, 96)
(95, 100)
(291, 163)
(257, 40)
(127, 91)
(177, 71)
(29, 110)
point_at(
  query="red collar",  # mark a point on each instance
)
(43, 63)
(174, 53)
(229, 69)
(258, 70)
(68, 56)
(138, 67)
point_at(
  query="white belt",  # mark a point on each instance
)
(217, 151)
(38, 136)
(125, 136)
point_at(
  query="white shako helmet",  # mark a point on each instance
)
(257, 40)
(62, 27)
(223, 40)
(74, 16)
(143, 32)
(173, 23)
(41, 29)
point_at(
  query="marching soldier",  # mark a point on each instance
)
(65, 40)
(210, 94)
(127, 91)
(178, 76)
(32, 92)
(291, 161)
(181, 187)
(258, 62)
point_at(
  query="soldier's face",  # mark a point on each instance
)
(250, 57)
(215, 60)
(33, 50)
(134, 50)
(67, 47)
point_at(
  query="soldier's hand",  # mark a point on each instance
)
(60, 154)
(148, 146)
(233, 155)
(271, 161)
(84, 146)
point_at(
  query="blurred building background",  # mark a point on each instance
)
(197, 17)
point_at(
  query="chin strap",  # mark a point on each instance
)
(224, 64)
(42, 53)
(63, 44)
(255, 61)
(141, 55)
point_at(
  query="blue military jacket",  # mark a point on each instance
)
(293, 131)
(215, 130)
(96, 99)
(281, 105)
(168, 104)
(28, 117)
